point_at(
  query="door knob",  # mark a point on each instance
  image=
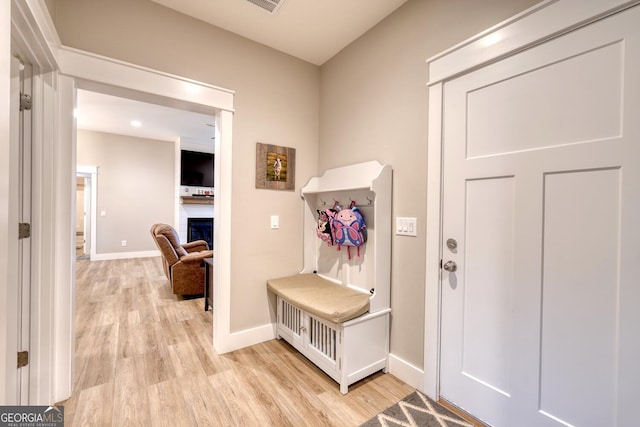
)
(450, 266)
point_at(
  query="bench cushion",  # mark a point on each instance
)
(320, 297)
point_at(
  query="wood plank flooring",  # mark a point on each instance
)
(145, 357)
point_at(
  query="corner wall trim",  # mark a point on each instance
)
(246, 338)
(406, 372)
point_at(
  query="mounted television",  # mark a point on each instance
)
(196, 169)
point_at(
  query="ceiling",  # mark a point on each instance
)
(312, 30)
(112, 114)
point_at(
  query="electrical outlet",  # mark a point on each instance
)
(124, 243)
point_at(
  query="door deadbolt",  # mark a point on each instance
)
(450, 266)
(452, 244)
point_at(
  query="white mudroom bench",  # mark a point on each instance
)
(336, 311)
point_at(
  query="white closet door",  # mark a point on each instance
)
(541, 192)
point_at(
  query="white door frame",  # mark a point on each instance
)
(20, 35)
(24, 245)
(92, 173)
(9, 217)
(542, 22)
(89, 69)
(5, 194)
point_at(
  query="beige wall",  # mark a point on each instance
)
(368, 102)
(374, 107)
(276, 102)
(136, 187)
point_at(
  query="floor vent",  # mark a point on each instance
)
(270, 6)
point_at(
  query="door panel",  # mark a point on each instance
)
(581, 210)
(541, 176)
(487, 293)
(562, 89)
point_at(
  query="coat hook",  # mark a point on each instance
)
(370, 200)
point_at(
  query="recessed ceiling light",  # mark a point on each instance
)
(136, 123)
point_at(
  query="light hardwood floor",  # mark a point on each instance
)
(145, 357)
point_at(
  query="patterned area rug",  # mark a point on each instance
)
(416, 410)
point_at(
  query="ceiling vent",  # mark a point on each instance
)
(271, 6)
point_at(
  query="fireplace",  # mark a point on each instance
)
(200, 229)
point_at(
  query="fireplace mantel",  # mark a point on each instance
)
(197, 200)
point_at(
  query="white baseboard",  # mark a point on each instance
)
(238, 340)
(124, 255)
(406, 372)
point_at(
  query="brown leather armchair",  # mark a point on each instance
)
(182, 263)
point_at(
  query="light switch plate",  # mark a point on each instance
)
(406, 226)
(275, 222)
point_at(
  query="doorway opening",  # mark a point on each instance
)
(83, 216)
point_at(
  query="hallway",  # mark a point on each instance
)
(145, 357)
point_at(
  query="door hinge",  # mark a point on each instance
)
(440, 263)
(24, 230)
(25, 102)
(23, 358)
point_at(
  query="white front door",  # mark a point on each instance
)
(541, 175)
